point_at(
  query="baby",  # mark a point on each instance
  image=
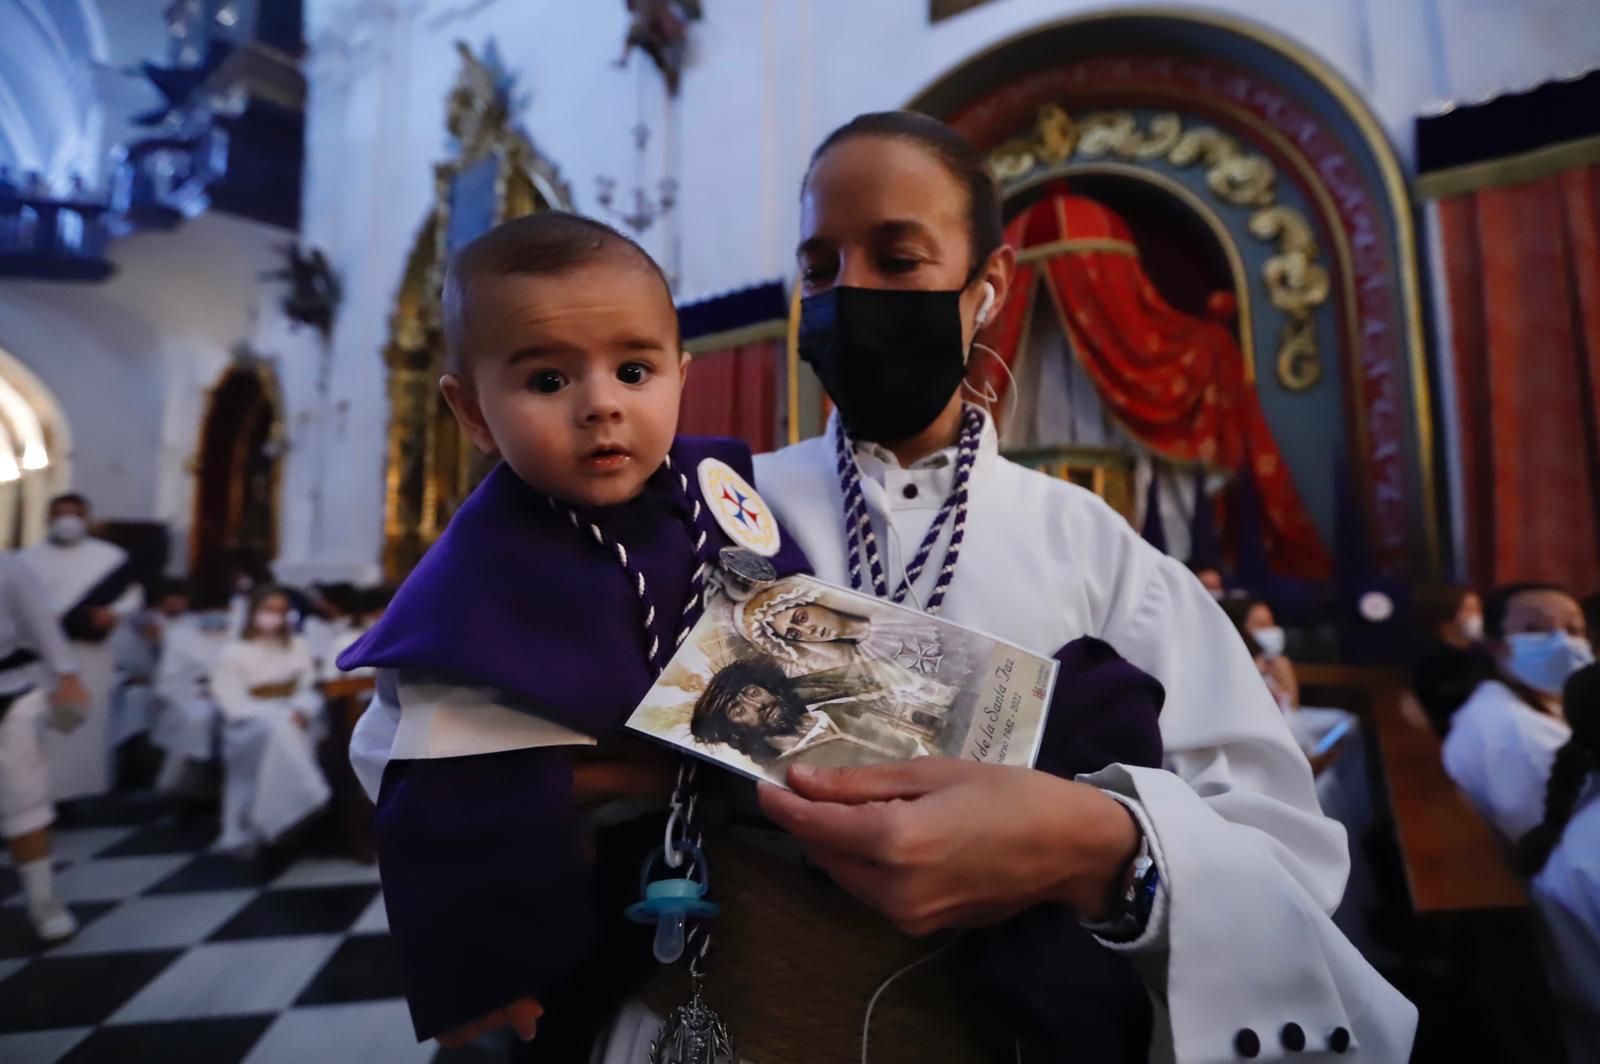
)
(542, 615)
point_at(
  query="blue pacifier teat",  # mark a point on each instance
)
(668, 903)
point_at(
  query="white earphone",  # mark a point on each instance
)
(988, 301)
(988, 396)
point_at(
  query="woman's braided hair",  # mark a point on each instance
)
(1574, 762)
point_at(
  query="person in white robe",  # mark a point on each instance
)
(39, 687)
(1237, 951)
(325, 633)
(343, 615)
(1504, 738)
(1505, 744)
(88, 584)
(187, 723)
(264, 685)
(1567, 894)
(136, 648)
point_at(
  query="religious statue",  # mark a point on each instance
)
(661, 28)
(314, 289)
(479, 104)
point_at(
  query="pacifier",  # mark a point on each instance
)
(668, 903)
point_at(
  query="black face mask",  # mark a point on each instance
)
(889, 359)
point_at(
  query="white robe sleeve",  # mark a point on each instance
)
(1499, 752)
(443, 720)
(35, 620)
(1567, 895)
(373, 738)
(1251, 865)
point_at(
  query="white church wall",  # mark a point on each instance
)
(103, 365)
(767, 79)
(130, 360)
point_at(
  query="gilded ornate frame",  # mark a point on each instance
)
(430, 466)
(1294, 279)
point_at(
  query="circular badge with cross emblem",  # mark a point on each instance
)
(738, 509)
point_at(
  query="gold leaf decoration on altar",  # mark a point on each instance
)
(1297, 284)
(1295, 281)
(431, 466)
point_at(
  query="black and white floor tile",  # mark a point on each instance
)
(185, 955)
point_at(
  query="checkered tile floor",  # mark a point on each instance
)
(185, 955)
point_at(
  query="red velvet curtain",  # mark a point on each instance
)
(1175, 382)
(1522, 273)
(733, 392)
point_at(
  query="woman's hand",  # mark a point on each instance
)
(937, 843)
(522, 1016)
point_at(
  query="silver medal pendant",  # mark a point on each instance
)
(693, 1034)
(746, 566)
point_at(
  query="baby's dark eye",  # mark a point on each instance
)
(547, 382)
(633, 373)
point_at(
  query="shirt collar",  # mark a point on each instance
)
(988, 444)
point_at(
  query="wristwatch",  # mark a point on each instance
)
(1130, 910)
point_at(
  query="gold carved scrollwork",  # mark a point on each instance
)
(1052, 140)
(431, 467)
(1297, 284)
(1295, 281)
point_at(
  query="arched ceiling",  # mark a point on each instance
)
(50, 113)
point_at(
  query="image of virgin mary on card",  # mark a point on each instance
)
(806, 627)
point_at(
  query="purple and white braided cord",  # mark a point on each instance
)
(695, 600)
(861, 540)
(954, 503)
(857, 525)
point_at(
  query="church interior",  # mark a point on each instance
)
(1309, 294)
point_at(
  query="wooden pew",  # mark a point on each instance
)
(346, 699)
(1457, 870)
(1453, 860)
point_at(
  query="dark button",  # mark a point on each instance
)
(909, 491)
(1247, 1043)
(1292, 1037)
(1339, 1040)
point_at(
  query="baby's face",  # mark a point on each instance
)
(577, 377)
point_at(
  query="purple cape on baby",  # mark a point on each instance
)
(514, 598)
(489, 894)
(489, 897)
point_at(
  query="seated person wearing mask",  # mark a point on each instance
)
(264, 687)
(1452, 660)
(1254, 618)
(1503, 740)
(136, 654)
(185, 725)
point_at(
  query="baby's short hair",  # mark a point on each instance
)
(534, 245)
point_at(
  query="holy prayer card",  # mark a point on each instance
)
(798, 671)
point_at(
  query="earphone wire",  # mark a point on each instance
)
(866, 1024)
(900, 557)
(992, 396)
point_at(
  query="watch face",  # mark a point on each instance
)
(747, 566)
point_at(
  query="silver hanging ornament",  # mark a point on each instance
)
(747, 566)
(693, 1034)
